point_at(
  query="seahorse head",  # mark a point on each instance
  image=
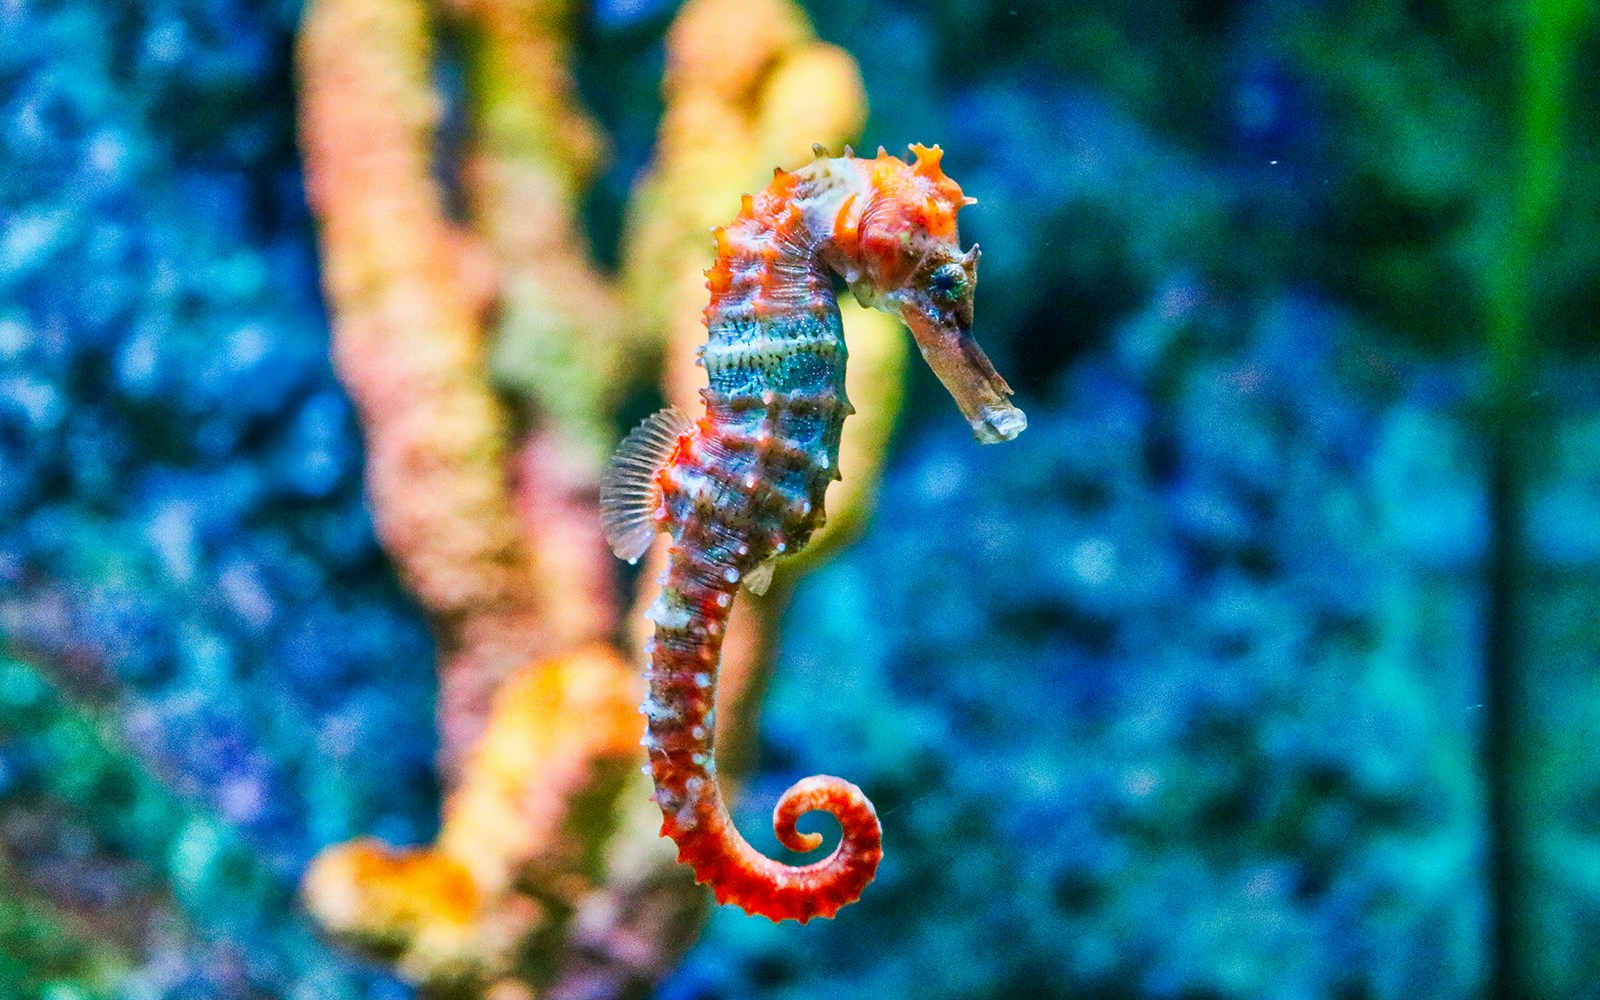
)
(911, 265)
(905, 227)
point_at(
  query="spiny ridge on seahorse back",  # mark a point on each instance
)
(746, 484)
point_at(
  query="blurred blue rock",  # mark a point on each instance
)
(179, 473)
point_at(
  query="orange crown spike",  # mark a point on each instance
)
(928, 160)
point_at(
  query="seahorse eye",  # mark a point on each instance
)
(948, 282)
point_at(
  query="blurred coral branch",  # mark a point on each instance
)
(409, 294)
(515, 855)
(548, 874)
(529, 156)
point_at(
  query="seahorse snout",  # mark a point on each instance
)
(947, 345)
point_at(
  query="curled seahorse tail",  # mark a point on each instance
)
(691, 618)
(761, 886)
(695, 816)
(838, 879)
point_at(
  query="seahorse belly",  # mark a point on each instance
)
(775, 407)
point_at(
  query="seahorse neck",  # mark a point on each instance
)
(775, 258)
(772, 273)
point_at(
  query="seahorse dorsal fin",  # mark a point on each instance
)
(629, 495)
(759, 579)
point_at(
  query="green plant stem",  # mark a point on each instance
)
(1549, 30)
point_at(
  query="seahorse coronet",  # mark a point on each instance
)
(748, 481)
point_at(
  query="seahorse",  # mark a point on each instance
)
(744, 485)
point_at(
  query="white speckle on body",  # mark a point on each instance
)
(668, 613)
(657, 712)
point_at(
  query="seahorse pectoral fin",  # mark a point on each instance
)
(759, 579)
(948, 346)
(629, 496)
